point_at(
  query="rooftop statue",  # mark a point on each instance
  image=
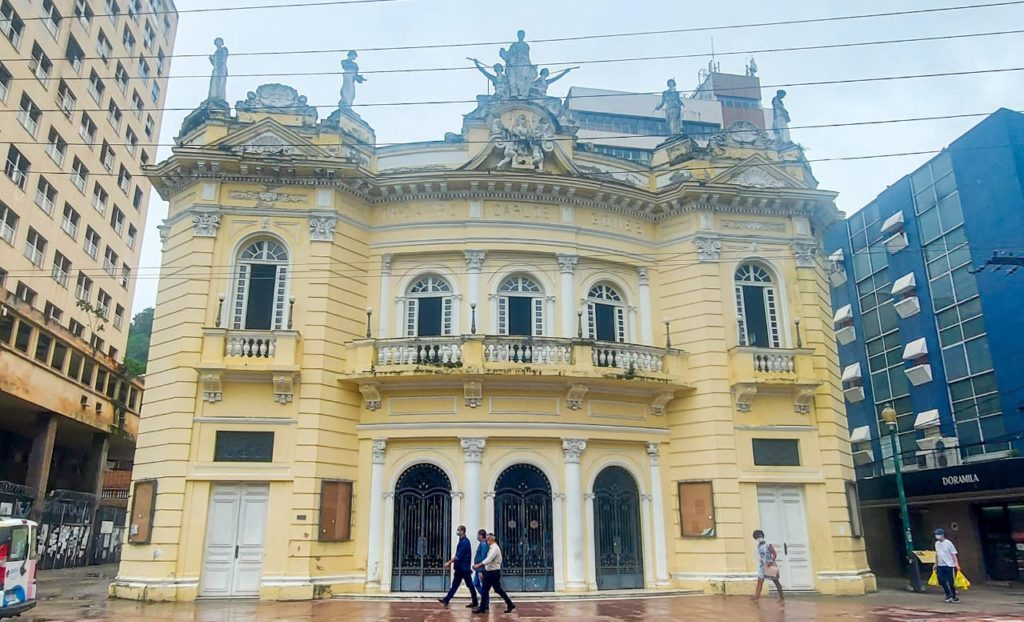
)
(780, 118)
(521, 72)
(219, 77)
(672, 103)
(499, 79)
(540, 85)
(351, 77)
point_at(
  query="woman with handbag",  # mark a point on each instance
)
(767, 568)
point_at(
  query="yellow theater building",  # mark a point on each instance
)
(602, 332)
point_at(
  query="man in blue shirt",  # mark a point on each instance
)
(481, 554)
(463, 568)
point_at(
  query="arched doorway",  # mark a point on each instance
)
(524, 529)
(423, 528)
(617, 541)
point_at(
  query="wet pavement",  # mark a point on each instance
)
(80, 596)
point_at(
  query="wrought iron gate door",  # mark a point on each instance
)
(617, 530)
(423, 530)
(523, 527)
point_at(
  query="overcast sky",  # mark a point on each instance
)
(418, 22)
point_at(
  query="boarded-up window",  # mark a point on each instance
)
(853, 504)
(696, 509)
(776, 452)
(140, 526)
(335, 511)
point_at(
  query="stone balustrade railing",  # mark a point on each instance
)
(420, 351)
(774, 361)
(527, 350)
(628, 356)
(261, 345)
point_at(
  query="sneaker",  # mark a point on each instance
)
(955, 600)
(443, 602)
(948, 600)
(472, 606)
(510, 609)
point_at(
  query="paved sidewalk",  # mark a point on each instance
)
(79, 595)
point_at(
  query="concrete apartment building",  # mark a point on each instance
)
(82, 88)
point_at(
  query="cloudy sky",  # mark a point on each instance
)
(327, 30)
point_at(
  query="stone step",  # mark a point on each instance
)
(523, 596)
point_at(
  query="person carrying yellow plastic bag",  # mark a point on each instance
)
(947, 567)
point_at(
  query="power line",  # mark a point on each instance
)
(940, 74)
(558, 63)
(965, 115)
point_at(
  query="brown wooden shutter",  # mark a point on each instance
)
(696, 509)
(335, 511)
(140, 524)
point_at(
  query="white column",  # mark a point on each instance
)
(399, 316)
(645, 504)
(591, 542)
(473, 453)
(646, 326)
(474, 265)
(575, 575)
(567, 293)
(389, 535)
(657, 508)
(549, 316)
(375, 542)
(384, 307)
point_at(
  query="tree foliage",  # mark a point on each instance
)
(139, 333)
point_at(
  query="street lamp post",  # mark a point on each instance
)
(889, 416)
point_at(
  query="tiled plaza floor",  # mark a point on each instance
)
(79, 596)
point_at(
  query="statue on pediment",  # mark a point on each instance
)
(219, 77)
(780, 118)
(672, 103)
(498, 79)
(350, 77)
(521, 72)
(539, 88)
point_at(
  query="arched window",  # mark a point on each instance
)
(606, 314)
(261, 287)
(428, 308)
(757, 312)
(520, 307)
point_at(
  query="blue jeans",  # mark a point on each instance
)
(946, 576)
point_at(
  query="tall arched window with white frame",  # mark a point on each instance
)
(520, 307)
(261, 287)
(606, 314)
(757, 313)
(428, 308)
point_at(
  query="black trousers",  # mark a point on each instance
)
(947, 576)
(492, 579)
(461, 576)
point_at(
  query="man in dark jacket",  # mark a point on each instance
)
(463, 568)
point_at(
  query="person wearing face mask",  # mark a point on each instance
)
(767, 568)
(463, 568)
(947, 563)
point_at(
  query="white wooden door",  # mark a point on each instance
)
(235, 530)
(784, 522)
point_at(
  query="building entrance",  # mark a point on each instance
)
(617, 538)
(524, 529)
(423, 530)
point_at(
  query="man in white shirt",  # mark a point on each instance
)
(947, 563)
(492, 577)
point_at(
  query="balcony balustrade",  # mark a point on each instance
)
(773, 370)
(254, 350)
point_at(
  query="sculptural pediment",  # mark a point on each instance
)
(743, 134)
(276, 98)
(267, 137)
(758, 172)
(522, 138)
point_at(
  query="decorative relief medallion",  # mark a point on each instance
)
(756, 178)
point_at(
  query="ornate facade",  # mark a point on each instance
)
(622, 368)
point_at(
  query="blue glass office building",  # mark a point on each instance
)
(927, 325)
